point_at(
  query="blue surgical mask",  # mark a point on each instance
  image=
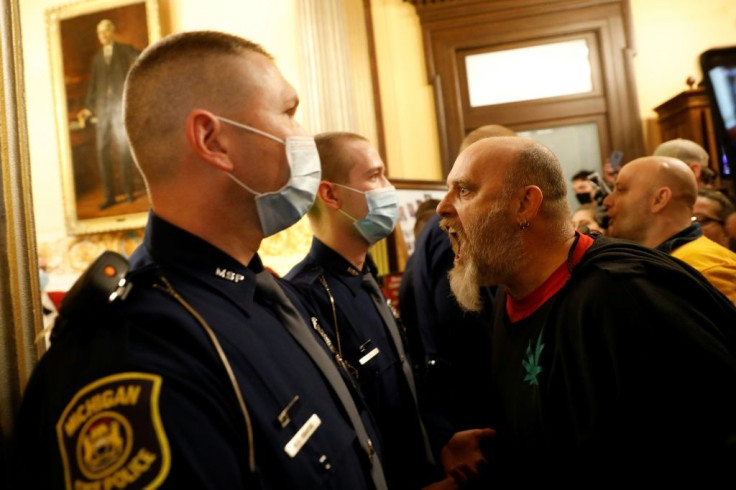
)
(43, 278)
(383, 211)
(282, 208)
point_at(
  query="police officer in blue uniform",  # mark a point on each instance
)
(356, 207)
(206, 372)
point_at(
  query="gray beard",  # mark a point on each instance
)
(492, 256)
(464, 286)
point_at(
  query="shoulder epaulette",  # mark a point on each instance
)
(102, 283)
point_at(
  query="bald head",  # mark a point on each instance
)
(653, 200)
(208, 70)
(688, 151)
(667, 172)
(524, 162)
(487, 131)
(105, 25)
(507, 215)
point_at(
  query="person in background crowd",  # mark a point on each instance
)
(711, 210)
(583, 188)
(584, 219)
(689, 152)
(611, 361)
(425, 211)
(731, 230)
(653, 205)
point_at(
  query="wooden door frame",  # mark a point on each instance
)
(449, 28)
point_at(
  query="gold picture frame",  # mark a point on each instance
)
(411, 193)
(102, 189)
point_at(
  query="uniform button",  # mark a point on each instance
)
(325, 462)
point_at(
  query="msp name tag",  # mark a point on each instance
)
(301, 437)
(373, 353)
(111, 436)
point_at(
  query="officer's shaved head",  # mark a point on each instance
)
(336, 162)
(337, 158)
(180, 73)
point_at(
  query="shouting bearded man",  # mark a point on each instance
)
(609, 359)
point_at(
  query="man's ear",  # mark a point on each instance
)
(531, 198)
(204, 135)
(697, 170)
(660, 199)
(326, 193)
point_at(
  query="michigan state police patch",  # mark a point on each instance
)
(111, 435)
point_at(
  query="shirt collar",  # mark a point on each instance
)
(338, 266)
(687, 235)
(187, 254)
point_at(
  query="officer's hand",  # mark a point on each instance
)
(462, 458)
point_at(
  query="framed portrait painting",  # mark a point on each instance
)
(93, 44)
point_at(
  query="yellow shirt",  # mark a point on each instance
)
(716, 263)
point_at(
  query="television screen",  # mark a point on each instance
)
(719, 70)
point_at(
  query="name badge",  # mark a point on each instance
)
(301, 437)
(373, 353)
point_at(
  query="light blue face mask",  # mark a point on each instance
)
(43, 278)
(383, 211)
(282, 208)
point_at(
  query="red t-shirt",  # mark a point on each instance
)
(522, 308)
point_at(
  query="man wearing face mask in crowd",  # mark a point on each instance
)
(583, 188)
(356, 206)
(207, 374)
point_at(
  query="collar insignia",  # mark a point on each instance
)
(229, 275)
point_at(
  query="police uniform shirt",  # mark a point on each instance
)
(152, 393)
(367, 346)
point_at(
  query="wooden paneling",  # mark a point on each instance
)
(687, 115)
(454, 29)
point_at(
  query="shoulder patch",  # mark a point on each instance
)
(111, 436)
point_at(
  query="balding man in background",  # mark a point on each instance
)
(611, 361)
(653, 205)
(687, 151)
(207, 374)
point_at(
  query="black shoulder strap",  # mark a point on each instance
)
(102, 283)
